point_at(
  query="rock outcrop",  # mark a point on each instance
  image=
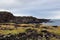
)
(9, 17)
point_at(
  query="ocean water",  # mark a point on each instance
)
(55, 22)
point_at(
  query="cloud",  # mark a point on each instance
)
(56, 14)
(36, 8)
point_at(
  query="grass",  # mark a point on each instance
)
(23, 29)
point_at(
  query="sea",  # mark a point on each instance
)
(54, 22)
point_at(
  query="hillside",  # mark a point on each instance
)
(9, 17)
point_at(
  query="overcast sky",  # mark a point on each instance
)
(38, 8)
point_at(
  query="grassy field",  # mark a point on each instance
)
(23, 27)
(38, 27)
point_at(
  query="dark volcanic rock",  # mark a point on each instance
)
(9, 17)
(6, 17)
(29, 19)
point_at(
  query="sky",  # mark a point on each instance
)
(49, 9)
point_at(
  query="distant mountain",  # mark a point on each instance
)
(9, 17)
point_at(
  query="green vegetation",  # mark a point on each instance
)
(46, 32)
